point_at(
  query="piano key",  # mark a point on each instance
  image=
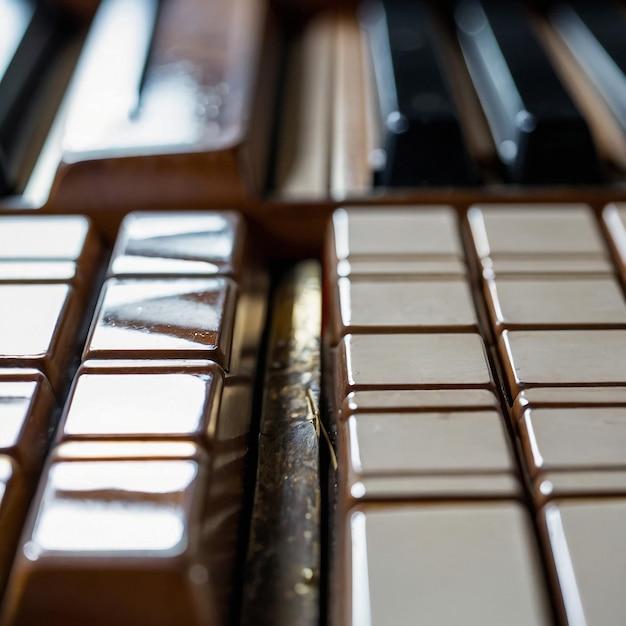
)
(48, 248)
(404, 455)
(178, 99)
(403, 241)
(353, 121)
(165, 319)
(573, 438)
(584, 542)
(136, 540)
(563, 357)
(179, 244)
(539, 134)
(421, 140)
(445, 564)
(566, 397)
(145, 404)
(401, 306)
(13, 506)
(39, 325)
(550, 486)
(537, 239)
(425, 361)
(26, 419)
(29, 33)
(594, 36)
(570, 397)
(555, 303)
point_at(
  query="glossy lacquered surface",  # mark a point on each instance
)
(132, 403)
(164, 318)
(124, 530)
(181, 244)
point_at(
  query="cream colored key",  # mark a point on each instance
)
(555, 302)
(589, 438)
(586, 548)
(118, 540)
(403, 239)
(614, 218)
(14, 498)
(447, 564)
(26, 406)
(373, 401)
(165, 318)
(393, 230)
(427, 361)
(180, 244)
(567, 484)
(391, 448)
(409, 306)
(537, 238)
(563, 357)
(48, 248)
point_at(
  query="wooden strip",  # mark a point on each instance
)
(303, 168)
(282, 571)
(352, 122)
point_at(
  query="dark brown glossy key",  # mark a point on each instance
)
(14, 499)
(580, 438)
(26, 405)
(134, 551)
(179, 244)
(164, 318)
(38, 325)
(38, 248)
(537, 239)
(155, 402)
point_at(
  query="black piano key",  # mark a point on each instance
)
(421, 141)
(595, 34)
(28, 31)
(539, 134)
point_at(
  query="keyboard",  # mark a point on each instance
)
(312, 314)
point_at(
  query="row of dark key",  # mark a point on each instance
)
(539, 134)
(538, 131)
(137, 513)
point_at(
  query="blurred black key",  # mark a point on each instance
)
(596, 35)
(28, 31)
(421, 141)
(539, 134)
